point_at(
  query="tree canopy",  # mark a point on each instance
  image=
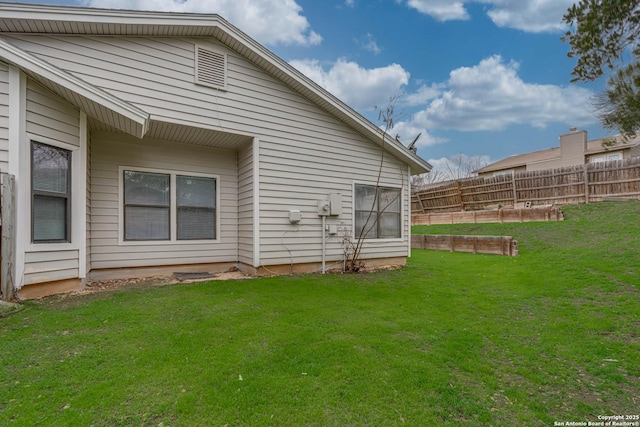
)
(603, 37)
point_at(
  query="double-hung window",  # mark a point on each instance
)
(146, 206)
(377, 212)
(196, 208)
(50, 194)
(169, 206)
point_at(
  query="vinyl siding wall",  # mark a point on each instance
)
(245, 205)
(109, 151)
(4, 117)
(50, 119)
(305, 152)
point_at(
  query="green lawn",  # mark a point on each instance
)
(451, 339)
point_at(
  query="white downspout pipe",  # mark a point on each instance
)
(324, 243)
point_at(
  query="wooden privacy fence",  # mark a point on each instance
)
(592, 182)
(497, 245)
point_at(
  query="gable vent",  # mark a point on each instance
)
(211, 68)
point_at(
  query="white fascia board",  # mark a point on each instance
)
(16, 56)
(74, 17)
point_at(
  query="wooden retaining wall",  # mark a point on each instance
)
(496, 245)
(489, 216)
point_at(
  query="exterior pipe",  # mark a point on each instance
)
(324, 222)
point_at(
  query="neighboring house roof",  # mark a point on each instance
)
(21, 18)
(593, 147)
(520, 160)
(604, 145)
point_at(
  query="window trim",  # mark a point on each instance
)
(401, 213)
(67, 196)
(213, 210)
(173, 225)
(604, 157)
(135, 205)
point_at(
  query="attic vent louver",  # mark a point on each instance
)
(211, 68)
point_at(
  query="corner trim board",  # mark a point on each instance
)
(256, 202)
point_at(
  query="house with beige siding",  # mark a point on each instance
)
(574, 150)
(144, 143)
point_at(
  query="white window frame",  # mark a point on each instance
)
(606, 157)
(77, 197)
(402, 212)
(173, 207)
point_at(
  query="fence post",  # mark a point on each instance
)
(515, 190)
(585, 178)
(460, 195)
(7, 256)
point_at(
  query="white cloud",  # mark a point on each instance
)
(491, 96)
(370, 44)
(458, 166)
(442, 10)
(422, 95)
(407, 132)
(526, 15)
(358, 87)
(268, 21)
(529, 15)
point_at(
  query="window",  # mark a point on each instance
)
(606, 157)
(50, 194)
(377, 212)
(146, 206)
(196, 207)
(168, 206)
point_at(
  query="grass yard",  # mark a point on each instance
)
(452, 339)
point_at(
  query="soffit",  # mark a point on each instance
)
(176, 132)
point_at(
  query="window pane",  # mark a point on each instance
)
(143, 188)
(146, 223)
(196, 191)
(50, 168)
(389, 225)
(196, 223)
(365, 196)
(49, 218)
(361, 221)
(389, 200)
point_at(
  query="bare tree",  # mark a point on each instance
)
(352, 248)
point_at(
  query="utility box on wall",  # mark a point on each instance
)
(332, 206)
(335, 203)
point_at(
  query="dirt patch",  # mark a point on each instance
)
(147, 282)
(7, 308)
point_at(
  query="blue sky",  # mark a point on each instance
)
(480, 79)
